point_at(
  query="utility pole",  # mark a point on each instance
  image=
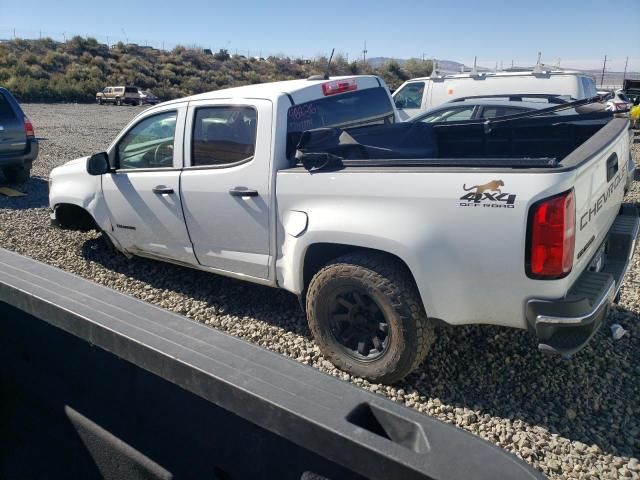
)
(364, 52)
(14, 33)
(624, 76)
(423, 57)
(604, 65)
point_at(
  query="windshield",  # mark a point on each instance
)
(354, 109)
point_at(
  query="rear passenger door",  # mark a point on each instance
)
(225, 185)
(13, 139)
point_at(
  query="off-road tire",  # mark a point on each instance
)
(99, 101)
(118, 101)
(17, 174)
(389, 283)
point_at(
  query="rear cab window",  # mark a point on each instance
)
(370, 106)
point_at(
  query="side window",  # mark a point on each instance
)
(449, 115)
(6, 110)
(149, 144)
(223, 135)
(492, 112)
(410, 96)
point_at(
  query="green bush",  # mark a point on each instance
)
(49, 71)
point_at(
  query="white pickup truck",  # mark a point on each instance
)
(382, 231)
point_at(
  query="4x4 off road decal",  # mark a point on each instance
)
(487, 195)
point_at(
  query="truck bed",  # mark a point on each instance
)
(459, 243)
(96, 384)
(558, 143)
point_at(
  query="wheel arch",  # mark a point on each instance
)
(319, 254)
(74, 217)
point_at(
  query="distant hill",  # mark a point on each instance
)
(47, 70)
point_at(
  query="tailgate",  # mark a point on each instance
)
(599, 187)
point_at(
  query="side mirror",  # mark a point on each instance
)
(98, 164)
(399, 104)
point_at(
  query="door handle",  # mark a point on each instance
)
(612, 166)
(242, 192)
(162, 190)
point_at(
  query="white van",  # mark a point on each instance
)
(418, 95)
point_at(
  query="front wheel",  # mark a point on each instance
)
(366, 315)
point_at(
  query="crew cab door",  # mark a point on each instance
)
(143, 194)
(225, 185)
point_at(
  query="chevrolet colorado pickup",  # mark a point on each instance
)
(381, 228)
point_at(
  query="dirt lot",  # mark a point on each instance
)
(570, 419)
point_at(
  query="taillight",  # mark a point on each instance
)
(28, 128)
(552, 232)
(339, 86)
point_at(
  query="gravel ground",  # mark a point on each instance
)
(570, 419)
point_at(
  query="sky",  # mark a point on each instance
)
(578, 33)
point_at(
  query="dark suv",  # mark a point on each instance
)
(18, 143)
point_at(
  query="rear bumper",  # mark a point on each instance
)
(564, 326)
(22, 159)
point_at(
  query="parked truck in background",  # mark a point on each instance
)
(119, 96)
(516, 224)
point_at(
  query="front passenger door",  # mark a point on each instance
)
(143, 194)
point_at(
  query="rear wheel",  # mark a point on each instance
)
(16, 174)
(118, 101)
(367, 318)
